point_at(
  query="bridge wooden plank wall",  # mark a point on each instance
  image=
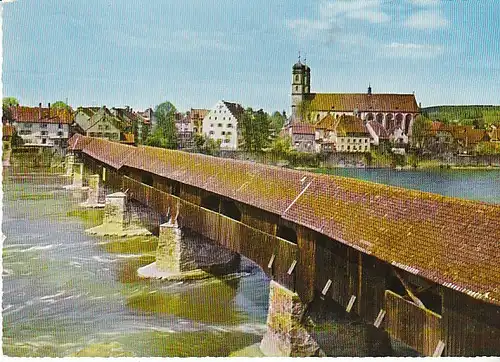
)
(466, 325)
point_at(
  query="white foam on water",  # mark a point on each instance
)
(103, 260)
(34, 248)
(52, 296)
(7, 307)
(16, 245)
(125, 256)
(7, 272)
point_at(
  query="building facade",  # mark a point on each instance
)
(221, 124)
(392, 111)
(44, 127)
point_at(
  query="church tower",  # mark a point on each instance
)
(301, 84)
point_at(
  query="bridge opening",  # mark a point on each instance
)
(174, 187)
(287, 233)
(229, 208)
(430, 298)
(210, 202)
(147, 178)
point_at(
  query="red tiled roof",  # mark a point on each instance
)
(449, 241)
(77, 142)
(467, 133)
(303, 128)
(327, 122)
(348, 102)
(379, 129)
(23, 114)
(350, 125)
(111, 153)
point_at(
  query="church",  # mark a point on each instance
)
(394, 112)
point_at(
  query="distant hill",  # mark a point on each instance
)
(480, 116)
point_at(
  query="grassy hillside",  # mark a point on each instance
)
(480, 116)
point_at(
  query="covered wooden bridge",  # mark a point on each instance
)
(422, 266)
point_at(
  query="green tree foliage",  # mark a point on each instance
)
(488, 148)
(282, 146)
(61, 105)
(255, 129)
(206, 145)
(277, 120)
(165, 133)
(421, 130)
(8, 102)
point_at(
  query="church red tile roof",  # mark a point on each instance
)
(363, 102)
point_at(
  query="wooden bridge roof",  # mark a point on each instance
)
(450, 241)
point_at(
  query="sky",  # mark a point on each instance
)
(196, 52)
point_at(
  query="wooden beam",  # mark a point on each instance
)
(409, 291)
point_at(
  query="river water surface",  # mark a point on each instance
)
(66, 293)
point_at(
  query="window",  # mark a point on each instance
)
(27, 125)
(211, 133)
(24, 132)
(107, 135)
(219, 124)
(223, 133)
(43, 125)
(211, 124)
(229, 133)
(45, 133)
(229, 125)
(216, 118)
(60, 133)
(44, 141)
(60, 126)
(227, 140)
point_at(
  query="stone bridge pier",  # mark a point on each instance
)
(182, 254)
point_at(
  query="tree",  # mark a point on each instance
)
(7, 103)
(421, 130)
(206, 145)
(277, 121)
(61, 105)
(165, 133)
(488, 148)
(255, 129)
(282, 146)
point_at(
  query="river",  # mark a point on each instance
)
(66, 293)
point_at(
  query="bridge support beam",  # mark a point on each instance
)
(117, 217)
(287, 334)
(94, 192)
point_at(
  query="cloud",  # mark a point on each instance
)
(412, 50)
(365, 10)
(427, 20)
(424, 3)
(336, 17)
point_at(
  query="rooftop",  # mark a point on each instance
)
(450, 241)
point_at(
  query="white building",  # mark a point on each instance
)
(43, 127)
(221, 123)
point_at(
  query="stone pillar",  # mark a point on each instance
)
(173, 256)
(78, 175)
(116, 213)
(287, 335)
(69, 162)
(94, 191)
